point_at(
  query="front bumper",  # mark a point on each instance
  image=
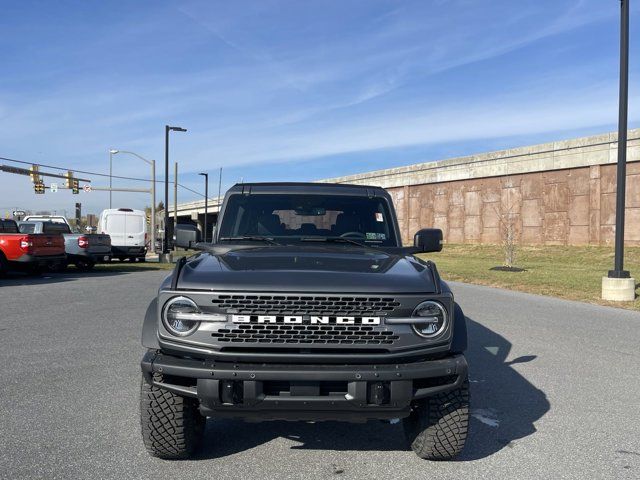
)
(304, 392)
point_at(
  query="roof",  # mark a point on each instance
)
(308, 187)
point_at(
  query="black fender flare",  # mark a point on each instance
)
(459, 341)
(150, 326)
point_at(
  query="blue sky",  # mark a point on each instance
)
(296, 90)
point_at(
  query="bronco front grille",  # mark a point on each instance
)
(305, 304)
(306, 334)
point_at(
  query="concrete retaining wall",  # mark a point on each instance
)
(556, 193)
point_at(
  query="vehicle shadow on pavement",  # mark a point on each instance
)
(504, 404)
(238, 436)
(20, 279)
(504, 408)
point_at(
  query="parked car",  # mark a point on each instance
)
(83, 250)
(27, 251)
(128, 231)
(305, 306)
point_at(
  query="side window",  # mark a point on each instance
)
(8, 226)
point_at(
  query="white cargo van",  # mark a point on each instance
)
(128, 231)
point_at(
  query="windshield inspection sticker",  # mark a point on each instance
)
(376, 236)
(379, 217)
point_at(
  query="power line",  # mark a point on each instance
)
(96, 173)
(78, 171)
(193, 191)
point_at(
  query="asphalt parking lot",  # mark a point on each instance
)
(555, 394)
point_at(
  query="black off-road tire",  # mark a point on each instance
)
(57, 267)
(4, 265)
(437, 427)
(34, 270)
(85, 265)
(172, 427)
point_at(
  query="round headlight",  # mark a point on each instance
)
(171, 316)
(435, 316)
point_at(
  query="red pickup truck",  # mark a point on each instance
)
(28, 252)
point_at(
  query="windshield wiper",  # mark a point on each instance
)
(339, 240)
(252, 238)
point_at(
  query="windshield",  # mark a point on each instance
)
(297, 216)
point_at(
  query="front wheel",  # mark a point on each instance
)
(172, 427)
(437, 427)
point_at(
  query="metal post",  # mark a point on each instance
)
(152, 191)
(153, 206)
(618, 271)
(165, 241)
(219, 193)
(167, 129)
(175, 199)
(110, 177)
(206, 203)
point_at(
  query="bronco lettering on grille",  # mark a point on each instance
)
(305, 319)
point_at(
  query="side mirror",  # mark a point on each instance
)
(186, 235)
(428, 240)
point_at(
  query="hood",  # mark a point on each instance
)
(307, 269)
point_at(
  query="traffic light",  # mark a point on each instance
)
(34, 173)
(74, 187)
(38, 186)
(68, 183)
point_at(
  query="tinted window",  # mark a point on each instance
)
(294, 216)
(8, 226)
(49, 227)
(27, 227)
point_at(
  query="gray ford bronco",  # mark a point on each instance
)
(305, 306)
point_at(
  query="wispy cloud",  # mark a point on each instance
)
(271, 82)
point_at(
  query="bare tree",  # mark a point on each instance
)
(508, 234)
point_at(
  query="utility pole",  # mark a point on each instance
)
(165, 242)
(111, 152)
(153, 206)
(206, 203)
(152, 191)
(618, 285)
(175, 199)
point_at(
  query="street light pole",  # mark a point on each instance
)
(167, 129)
(618, 270)
(175, 197)
(206, 202)
(618, 284)
(153, 192)
(219, 193)
(153, 205)
(111, 153)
